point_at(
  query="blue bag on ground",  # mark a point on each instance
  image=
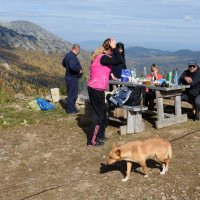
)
(44, 105)
(125, 74)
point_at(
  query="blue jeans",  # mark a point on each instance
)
(72, 93)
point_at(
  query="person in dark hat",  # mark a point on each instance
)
(191, 77)
(117, 69)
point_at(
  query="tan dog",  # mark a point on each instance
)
(141, 150)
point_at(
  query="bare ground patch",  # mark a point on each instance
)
(51, 161)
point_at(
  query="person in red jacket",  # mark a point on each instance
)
(154, 75)
(150, 94)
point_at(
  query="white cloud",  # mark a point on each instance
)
(188, 18)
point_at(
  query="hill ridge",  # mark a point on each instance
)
(31, 36)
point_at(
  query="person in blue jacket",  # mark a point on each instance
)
(73, 72)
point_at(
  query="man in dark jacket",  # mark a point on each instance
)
(73, 73)
(191, 77)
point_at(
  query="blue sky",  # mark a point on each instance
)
(160, 24)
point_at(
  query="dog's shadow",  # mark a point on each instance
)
(121, 166)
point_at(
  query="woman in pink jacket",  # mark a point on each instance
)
(101, 62)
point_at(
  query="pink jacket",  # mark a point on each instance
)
(99, 74)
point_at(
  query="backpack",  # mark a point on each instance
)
(131, 96)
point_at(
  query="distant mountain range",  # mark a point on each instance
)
(30, 36)
(139, 57)
(144, 52)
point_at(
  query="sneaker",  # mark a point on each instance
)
(97, 144)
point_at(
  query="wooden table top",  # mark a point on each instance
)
(132, 84)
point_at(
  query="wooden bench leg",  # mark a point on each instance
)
(139, 123)
(135, 123)
(123, 130)
(131, 122)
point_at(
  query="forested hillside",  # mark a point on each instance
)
(30, 60)
(32, 72)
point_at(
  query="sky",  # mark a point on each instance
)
(159, 24)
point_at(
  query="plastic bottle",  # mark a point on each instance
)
(145, 72)
(175, 78)
(169, 77)
(133, 73)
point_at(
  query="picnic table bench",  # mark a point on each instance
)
(134, 121)
(163, 119)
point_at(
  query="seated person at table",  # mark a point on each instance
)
(150, 94)
(191, 77)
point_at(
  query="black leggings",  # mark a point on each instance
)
(99, 117)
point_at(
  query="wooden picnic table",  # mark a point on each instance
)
(163, 119)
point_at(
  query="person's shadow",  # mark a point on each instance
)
(85, 120)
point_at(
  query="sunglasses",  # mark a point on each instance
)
(192, 66)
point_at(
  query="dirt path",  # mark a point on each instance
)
(51, 162)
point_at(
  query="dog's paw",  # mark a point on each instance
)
(162, 173)
(125, 179)
(146, 175)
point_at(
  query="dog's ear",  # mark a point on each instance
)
(118, 152)
(114, 146)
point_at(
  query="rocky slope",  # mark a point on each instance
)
(30, 36)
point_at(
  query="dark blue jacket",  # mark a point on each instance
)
(194, 89)
(72, 65)
(117, 69)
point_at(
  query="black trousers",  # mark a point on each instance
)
(99, 116)
(193, 100)
(149, 99)
(72, 93)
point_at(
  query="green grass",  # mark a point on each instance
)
(5, 97)
(10, 117)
